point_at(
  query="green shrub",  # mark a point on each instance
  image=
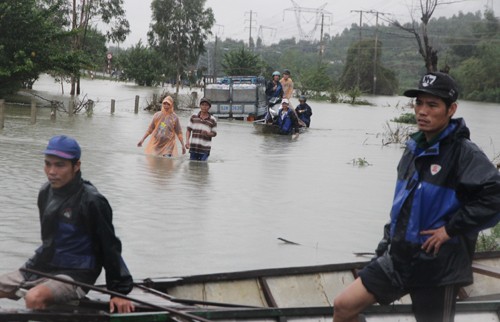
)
(407, 118)
(488, 241)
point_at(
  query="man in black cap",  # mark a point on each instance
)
(447, 190)
(78, 238)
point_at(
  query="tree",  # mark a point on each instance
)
(242, 62)
(358, 70)
(420, 32)
(468, 31)
(144, 65)
(478, 76)
(95, 49)
(24, 54)
(110, 12)
(37, 34)
(315, 79)
(179, 30)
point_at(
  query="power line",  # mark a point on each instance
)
(489, 5)
(319, 14)
(260, 34)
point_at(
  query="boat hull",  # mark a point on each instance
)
(301, 294)
(267, 128)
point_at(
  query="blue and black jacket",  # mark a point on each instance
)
(287, 122)
(78, 237)
(304, 111)
(449, 182)
(271, 93)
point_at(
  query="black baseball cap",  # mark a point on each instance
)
(438, 84)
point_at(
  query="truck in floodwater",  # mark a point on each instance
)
(237, 97)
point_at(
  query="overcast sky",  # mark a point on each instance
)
(277, 19)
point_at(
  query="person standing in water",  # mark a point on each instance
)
(202, 127)
(164, 127)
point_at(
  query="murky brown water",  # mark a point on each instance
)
(180, 217)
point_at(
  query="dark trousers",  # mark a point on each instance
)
(436, 304)
(198, 156)
(429, 304)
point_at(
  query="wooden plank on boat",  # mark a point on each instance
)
(487, 270)
(53, 316)
(465, 312)
(136, 293)
(302, 289)
(308, 290)
(142, 317)
(250, 274)
(245, 292)
(486, 280)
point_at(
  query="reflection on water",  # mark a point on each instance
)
(161, 168)
(177, 217)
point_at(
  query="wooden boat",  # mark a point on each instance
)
(307, 293)
(262, 127)
(277, 294)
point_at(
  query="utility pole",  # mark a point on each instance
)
(375, 56)
(215, 49)
(358, 77)
(321, 43)
(377, 13)
(250, 29)
(215, 57)
(360, 21)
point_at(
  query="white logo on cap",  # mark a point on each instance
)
(428, 80)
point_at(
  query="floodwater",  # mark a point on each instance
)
(176, 217)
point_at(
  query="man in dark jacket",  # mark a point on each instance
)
(446, 192)
(274, 91)
(304, 111)
(78, 238)
(286, 120)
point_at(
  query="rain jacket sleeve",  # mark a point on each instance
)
(383, 244)
(269, 89)
(479, 189)
(118, 278)
(154, 123)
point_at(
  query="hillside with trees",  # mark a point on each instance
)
(52, 36)
(467, 46)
